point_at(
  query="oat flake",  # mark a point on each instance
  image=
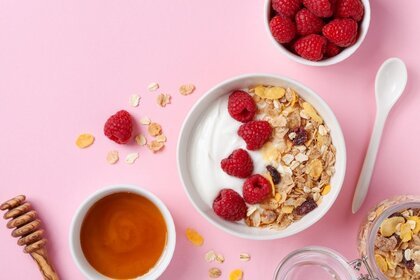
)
(153, 87)
(112, 157)
(145, 121)
(131, 158)
(141, 140)
(135, 100)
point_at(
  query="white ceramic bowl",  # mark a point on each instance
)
(185, 145)
(347, 52)
(74, 237)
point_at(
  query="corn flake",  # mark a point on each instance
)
(194, 237)
(84, 140)
(310, 111)
(236, 274)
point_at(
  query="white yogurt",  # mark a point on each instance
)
(214, 138)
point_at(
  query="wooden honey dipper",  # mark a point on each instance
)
(26, 227)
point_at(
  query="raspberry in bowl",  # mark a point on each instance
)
(261, 156)
(317, 32)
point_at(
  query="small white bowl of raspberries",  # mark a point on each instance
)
(317, 32)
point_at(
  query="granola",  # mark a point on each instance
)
(397, 245)
(300, 149)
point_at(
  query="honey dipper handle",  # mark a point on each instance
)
(45, 266)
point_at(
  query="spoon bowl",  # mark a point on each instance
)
(390, 82)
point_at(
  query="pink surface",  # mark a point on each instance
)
(65, 67)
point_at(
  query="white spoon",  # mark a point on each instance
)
(389, 85)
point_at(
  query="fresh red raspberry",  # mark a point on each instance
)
(332, 50)
(118, 127)
(311, 47)
(287, 8)
(341, 31)
(229, 205)
(256, 188)
(283, 29)
(241, 106)
(349, 9)
(238, 163)
(255, 134)
(320, 8)
(308, 23)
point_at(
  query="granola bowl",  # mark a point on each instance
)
(305, 152)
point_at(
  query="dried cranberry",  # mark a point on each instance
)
(397, 237)
(306, 207)
(301, 136)
(275, 175)
(408, 264)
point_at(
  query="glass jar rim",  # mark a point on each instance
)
(289, 262)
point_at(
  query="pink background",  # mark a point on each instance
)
(65, 66)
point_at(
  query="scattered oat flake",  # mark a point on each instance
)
(186, 89)
(214, 272)
(163, 99)
(154, 129)
(236, 274)
(145, 121)
(131, 158)
(135, 100)
(220, 258)
(210, 256)
(112, 157)
(244, 257)
(194, 237)
(141, 140)
(161, 138)
(153, 87)
(156, 146)
(84, 140)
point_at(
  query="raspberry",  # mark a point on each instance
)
(332, 50)
(308, 23)
(238, 164)
(241, 106)
(256, 188)
(229, 205)
(283, 29)
(342, 32)
(320, 8)
(255, 134)
(311, 47)
(287, 8)
(349, 9)
(118, 127)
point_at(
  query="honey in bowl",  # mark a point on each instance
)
(123, 235)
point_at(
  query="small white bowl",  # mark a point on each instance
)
(344, 54)
(185, 145)
(74, 237)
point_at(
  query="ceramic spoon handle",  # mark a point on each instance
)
(369, 163)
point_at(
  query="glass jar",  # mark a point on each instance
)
(324, 263)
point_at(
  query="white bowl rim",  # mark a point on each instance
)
(260, 75)
(346, 53)
(80, 213)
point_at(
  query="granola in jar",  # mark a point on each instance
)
(390, 238)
